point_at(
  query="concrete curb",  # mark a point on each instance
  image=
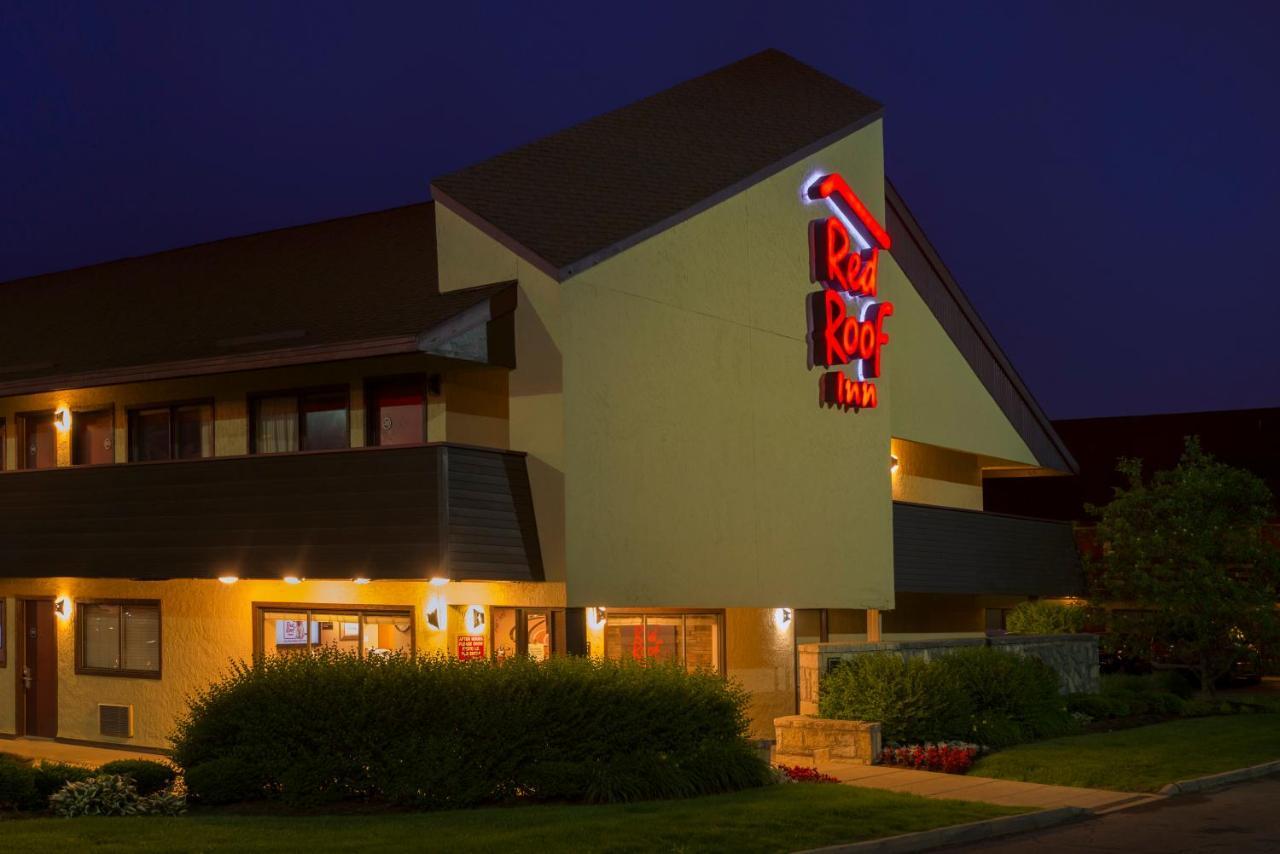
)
(1226, 778)
(959, 834)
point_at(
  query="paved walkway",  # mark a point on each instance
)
(962, 787)
(74, 754)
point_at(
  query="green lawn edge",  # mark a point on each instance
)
(1142, 759)
(786, 817)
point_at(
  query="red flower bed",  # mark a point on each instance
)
(801, 774)
(947, 758)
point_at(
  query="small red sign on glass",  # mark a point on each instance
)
(470, 647)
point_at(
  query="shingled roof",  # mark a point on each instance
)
(569, 200)
(356, 286)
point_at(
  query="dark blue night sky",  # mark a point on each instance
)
(1101, 178)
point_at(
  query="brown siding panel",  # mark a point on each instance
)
(371, 512)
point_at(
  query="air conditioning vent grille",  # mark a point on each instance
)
(115, 721)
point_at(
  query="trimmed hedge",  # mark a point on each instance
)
(435, 732)
(147, 776)
(27, 786)
(981, 695)
(1047, 618)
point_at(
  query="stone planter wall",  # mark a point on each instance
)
(1074, 657)
(801, 738)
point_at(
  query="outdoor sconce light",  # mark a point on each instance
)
(228, 579)
(433, 617)
(782, 617)
(439, 582)
(292, 579)
(360, 580)
(62, 418)
(62, 607)
(475, 619)
(595, 617)
(893, 463)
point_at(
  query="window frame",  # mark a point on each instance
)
(251, 415)
(645, 613)
(260, 608)
(373, 423)
(93, 410)
(20, 424)
(555, 622)
(171, 405)
(121, 672)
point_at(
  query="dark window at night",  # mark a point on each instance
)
(92, 437)
(313, 420)
(118, 638)
(38, 434)
(397, 411)
(176, 432)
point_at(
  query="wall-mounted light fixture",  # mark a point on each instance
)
(475, 619)
(439, 582)
(595, 617)
(292, 579)
(359, 579)
(62, 607)
(782, 618)
(893, 463)
(228, 579)
(435, 615)
(62, 419)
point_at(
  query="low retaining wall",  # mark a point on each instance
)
(1074, 657)
(820, 739)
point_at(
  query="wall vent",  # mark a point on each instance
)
(115, 721)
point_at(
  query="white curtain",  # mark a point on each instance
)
(276, 429)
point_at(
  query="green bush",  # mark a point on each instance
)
(111, 795)
(1012, 698)
(52, 776)
(441, 733)
(148, 776)
(1047, 618)
(914, 700)
(18, 786)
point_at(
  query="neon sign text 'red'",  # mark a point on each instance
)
(846, 320)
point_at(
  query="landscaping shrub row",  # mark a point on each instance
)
(978, 694)
(1160, 695)
(28, 786)
(436, 732)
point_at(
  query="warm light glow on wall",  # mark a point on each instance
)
(360, 580)
(475, 619)
(782, 618)
(439, 582)
(228, 579)
(292, 579)
(595, 618)
(437, 614)
(893, 463)
(62, 607)
(62, 418)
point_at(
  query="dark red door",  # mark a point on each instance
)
(40, 668)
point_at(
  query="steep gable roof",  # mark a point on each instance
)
(571, 199)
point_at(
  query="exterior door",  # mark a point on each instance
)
(39, 675)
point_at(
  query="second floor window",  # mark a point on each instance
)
(181, 431)
(312, 420)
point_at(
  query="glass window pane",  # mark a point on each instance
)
(388, 633)
(324, 421)
(91, 439)
(504, 632)
(149, 435)
(100, 634)
(539, 635)
(283, 631)
(141, 638)
(275, 425)
(702, 642)
(664, 639)
(624, 638)
(341, 631)
(193, 431)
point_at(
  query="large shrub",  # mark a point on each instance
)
(1047, 618)
(1012, 698)
(913, 700)
(441, 733)
(25, 785)
(147, 775)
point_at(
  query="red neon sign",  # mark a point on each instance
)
(846, 321)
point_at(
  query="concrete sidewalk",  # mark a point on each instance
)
(73, 754)
(962, 787)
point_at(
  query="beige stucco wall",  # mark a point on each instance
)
(206, 624)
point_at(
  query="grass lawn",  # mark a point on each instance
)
(1144, 758)
(777, 818)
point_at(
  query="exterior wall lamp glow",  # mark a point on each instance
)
(62, 607)
(360, 580)
(893, 463)
(475, 619)
(435, 615)
(595, 617)
(62, 418)
(439, 582)
(782, 617)
(228, 579)
(292, 579)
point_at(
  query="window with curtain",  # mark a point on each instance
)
(312, 420)
(182, 431)
(118, 638)
(692, 641)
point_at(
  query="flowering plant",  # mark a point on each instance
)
(954, 758)
(802, 774)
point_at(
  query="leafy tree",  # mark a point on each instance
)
(1188, 552)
